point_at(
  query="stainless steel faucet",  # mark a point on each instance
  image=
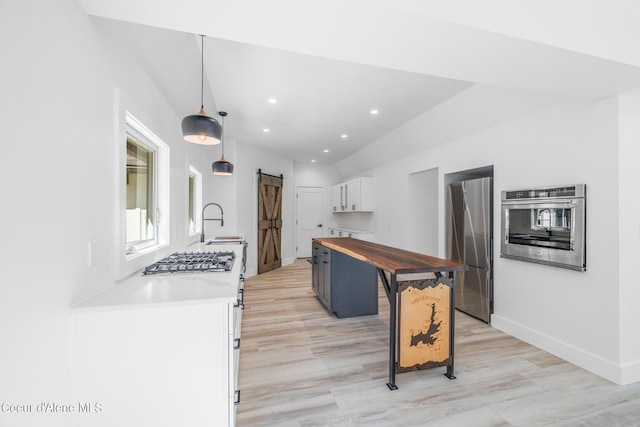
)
(221, 219)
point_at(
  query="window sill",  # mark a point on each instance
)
(145, 251)
(193, 237)
(132, 263)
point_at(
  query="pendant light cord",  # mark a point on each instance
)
(222, 114)
(202, 72)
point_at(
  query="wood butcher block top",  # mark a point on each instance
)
(393, 260)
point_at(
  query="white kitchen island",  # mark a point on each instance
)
(161, 350)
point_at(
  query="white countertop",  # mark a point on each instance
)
(173, 288)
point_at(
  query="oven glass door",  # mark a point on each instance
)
(546, 232)
(541, 226)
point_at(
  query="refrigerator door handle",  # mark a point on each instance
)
(491, 249)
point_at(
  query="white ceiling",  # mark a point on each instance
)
(318, 99)
(328, 63)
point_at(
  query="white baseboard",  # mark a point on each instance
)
(287, 261)
(619, 374)
(630, 373)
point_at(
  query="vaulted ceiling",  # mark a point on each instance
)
(467, 64)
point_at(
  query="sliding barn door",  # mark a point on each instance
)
(269, 222)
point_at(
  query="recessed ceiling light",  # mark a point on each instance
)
(374, 112)
(344, 136)
(265, 130)
(313, 161)
(272, 101)
(325, 151)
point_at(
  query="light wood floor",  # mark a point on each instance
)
(301, 366)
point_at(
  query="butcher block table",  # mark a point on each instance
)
(421, 292)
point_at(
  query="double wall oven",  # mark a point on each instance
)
(545, 226)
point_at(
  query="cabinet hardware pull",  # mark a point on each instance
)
(236, 343)
(241, 299)
(346, 196)
(237, 400)
(239, 304)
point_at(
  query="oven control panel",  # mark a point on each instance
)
(545, 193)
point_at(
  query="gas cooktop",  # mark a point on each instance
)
(193, 262)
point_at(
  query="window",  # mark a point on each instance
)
(192, 208)
(146, 189)
(140, 229)
(195, 200)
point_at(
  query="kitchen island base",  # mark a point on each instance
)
(345, 286)
(434, 321)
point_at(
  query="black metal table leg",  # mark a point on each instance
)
(452, 330)
(393, 289)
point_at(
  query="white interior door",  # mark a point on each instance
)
(309, 218)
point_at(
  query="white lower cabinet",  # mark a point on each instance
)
(160, 351)
(172, 365)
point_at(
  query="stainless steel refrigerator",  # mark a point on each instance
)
(469, 237)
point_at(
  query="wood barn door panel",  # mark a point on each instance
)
(269, 222)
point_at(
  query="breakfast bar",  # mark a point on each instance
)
(421, 294)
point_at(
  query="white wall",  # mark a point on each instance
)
(629, 232)
(574, 315)
(423, 212)
(61, 70)
(250, 159)
(315, 175)
(222, 190)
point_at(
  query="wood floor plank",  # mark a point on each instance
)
(300, 366)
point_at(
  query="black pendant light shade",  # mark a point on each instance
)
(200, 128)
(222, 166)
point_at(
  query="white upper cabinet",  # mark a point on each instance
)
(335, 199)
(356, 195)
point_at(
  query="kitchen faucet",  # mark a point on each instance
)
(221, 219)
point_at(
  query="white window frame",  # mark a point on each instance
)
(135, 257)
(197, 202)
(139, 139)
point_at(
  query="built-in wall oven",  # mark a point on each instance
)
(545, 226)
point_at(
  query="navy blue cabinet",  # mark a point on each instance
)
(346, 286)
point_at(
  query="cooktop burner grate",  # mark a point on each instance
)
(193, 262)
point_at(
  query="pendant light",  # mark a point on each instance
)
(200, 128)
(222, 166)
